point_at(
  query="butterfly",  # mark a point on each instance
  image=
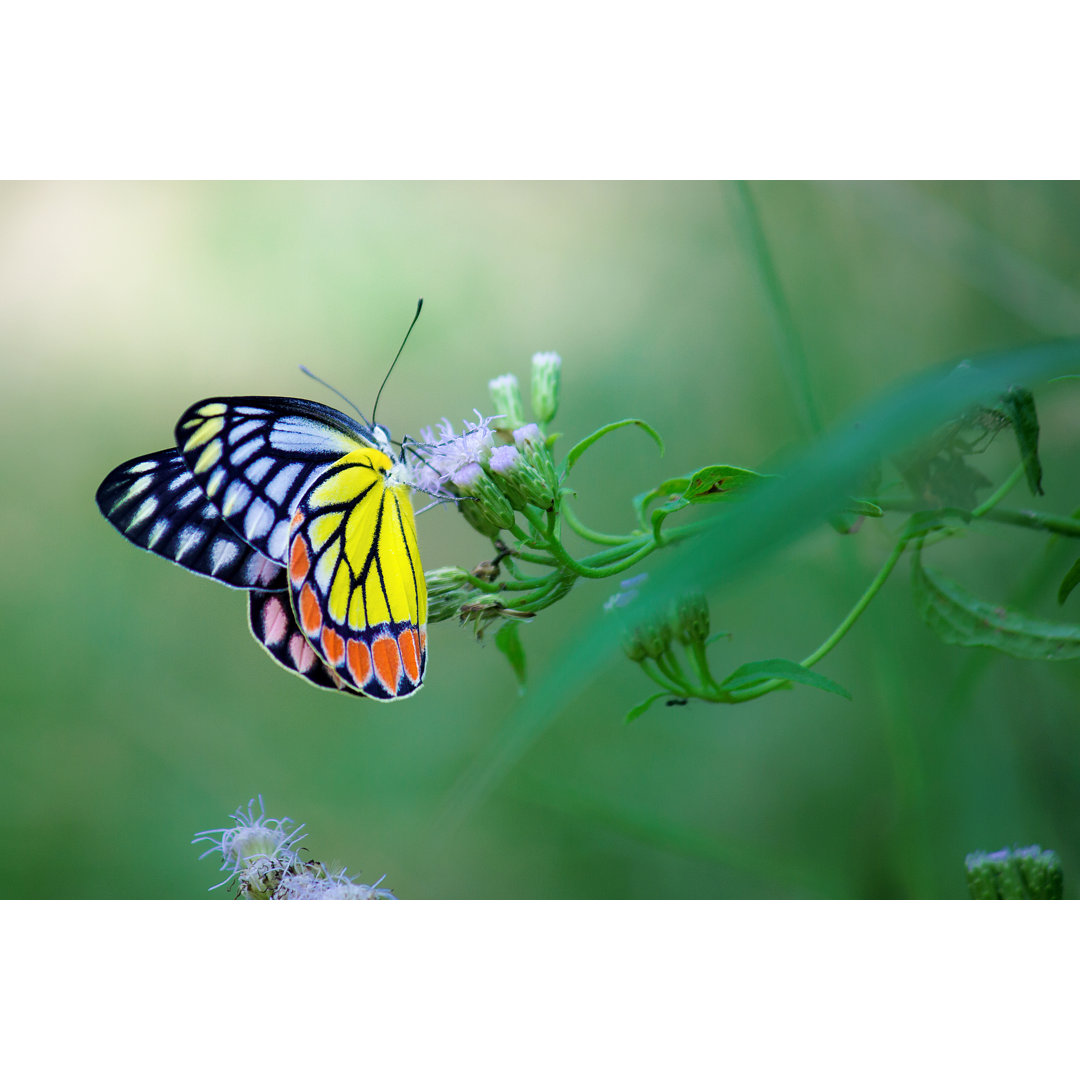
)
(306, 509)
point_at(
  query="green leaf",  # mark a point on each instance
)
(759, 670)
(643, 706)
(509, 644)
(959, 618)
(708, 484)
(865, 508)
(585, 443)
(1018, 405)
(1069, 582)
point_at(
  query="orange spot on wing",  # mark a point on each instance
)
(423, 641)
(310, 616)
(387, 660)
(333, 646)
(359, 660)
(410, 653)
(299, 562)
(296, 519)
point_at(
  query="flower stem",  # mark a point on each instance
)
(585, 532)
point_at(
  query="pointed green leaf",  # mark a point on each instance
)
(585, 443)
(759, 670)
(509, 644)
(1018, 405)
(643, 706)
(1069, 582)
(708, 484)
(959, 618)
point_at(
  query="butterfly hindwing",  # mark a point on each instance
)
(254, 457)
(272, 622)
(154, 502)
(355, 578)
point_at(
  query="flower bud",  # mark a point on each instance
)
(1024, 874)
(506, 395)
(692, 618)
(519, 481)
(487, 510)
(447, 589)
(546, 375)
(648, 639)
(529, 440)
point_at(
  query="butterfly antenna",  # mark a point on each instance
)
(333, 389)
(419, 305)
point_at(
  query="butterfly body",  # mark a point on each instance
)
(308, 510)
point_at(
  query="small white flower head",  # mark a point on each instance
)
(506, 396)
(546, 377)
(442, 453)
(255, 849)
(319, 885)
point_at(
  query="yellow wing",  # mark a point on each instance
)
(355, 578)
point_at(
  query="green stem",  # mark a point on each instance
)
(988, 504)
(585, 532)
(835, 637)
(1027, 519)
(662, 680)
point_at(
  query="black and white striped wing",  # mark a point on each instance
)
(154, 502)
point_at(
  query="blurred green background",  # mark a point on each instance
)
(137, 710)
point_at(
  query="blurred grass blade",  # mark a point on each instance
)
(643, 707)
(959, 618)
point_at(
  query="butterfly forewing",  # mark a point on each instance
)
(254, 457)
(272, 622)
(355, 577)
(155, 503)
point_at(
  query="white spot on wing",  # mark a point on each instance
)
(143, 466)
(242, 453)
(299, 435)
(279, 541)
(145, 510)
(217, 478)
(156, 533)
(236, 498)
(278, 488)
(190, 535)
(186, 500)
(258, 469)
(222, 554)
(242, 431)
(259, 518)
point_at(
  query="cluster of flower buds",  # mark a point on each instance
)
(651, 639)
(498, 465)
(1027, 873)
(262, 857)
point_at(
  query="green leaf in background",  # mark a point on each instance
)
(959, 618)
(706, 485)
(1018, 405)
(643, 707)
(848, 520)
(758, 670)
(1069, 582)
(508, 642)
(580, 448)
